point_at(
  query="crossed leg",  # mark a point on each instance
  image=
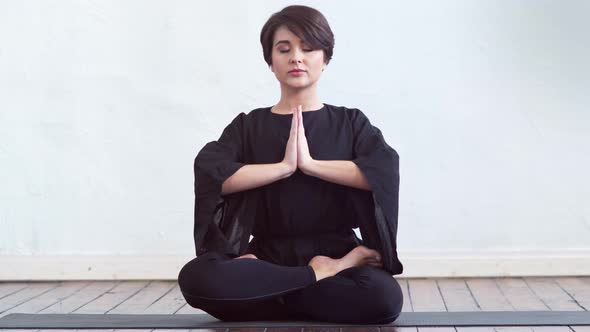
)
(326, 290)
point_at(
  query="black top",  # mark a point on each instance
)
(301, 216)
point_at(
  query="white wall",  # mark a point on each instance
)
(104, 105)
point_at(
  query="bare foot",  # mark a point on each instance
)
(324, 266)
(247, 256)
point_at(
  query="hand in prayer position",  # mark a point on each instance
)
(297, 151)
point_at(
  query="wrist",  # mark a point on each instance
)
(285, 170)
(308, 167)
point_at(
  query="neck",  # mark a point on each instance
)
(291, 98)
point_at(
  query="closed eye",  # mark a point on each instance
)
(286, 51)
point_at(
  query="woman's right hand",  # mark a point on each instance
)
(291, 150)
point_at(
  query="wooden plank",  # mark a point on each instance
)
(70, 303)
(457, 297)
(8, 288)
(487, 295)
(17, 298)
(521, 297)
(427, 297)
(170, 302)
(144, 301)
(158, 297)
(518, 293)
(552, 294)
(109, 300)
(77, 300)
(407, 306)
(578, 289)
(187, 309)
(139, 302)
(554, 297)
(47, 299)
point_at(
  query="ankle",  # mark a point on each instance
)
(323, 267)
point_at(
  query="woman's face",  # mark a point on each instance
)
(288, 53)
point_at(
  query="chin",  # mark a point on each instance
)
(301, 85)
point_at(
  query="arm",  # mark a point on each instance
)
(253, 176)
(344, 172)
(257, 175)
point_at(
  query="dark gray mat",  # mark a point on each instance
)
(119, 321)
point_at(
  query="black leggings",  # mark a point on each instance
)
(253, 289)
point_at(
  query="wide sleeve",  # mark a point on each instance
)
(215, 162)
(379, 162)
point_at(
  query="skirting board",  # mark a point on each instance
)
(416, 265)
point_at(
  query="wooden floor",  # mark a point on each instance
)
(164, 297)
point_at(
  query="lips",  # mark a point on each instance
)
(296, 71)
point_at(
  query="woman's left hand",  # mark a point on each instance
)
(304, 159)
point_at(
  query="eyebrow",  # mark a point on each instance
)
(282, 42)
(287, 42)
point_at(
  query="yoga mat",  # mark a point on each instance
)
(195, 321)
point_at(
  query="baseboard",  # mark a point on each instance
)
(416, 264)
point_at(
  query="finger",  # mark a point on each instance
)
(296, 116)
(295, 121)
(300, 111)
(293, 132)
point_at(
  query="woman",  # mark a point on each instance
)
(299, 177)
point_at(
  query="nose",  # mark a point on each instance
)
(297, 56)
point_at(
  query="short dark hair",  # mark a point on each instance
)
(306, 23)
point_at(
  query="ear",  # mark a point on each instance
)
(270, 66)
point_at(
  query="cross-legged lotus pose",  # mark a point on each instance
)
(296, 179)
